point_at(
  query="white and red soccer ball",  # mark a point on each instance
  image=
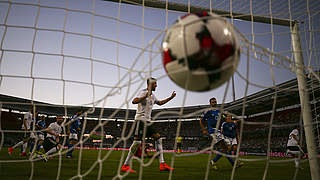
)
(200, 51)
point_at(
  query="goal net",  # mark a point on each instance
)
(95, 56)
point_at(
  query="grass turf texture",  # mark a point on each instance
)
(190, 167)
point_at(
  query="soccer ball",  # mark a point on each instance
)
(200, 51)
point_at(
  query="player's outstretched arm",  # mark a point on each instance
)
(162, 102)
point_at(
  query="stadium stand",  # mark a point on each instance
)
(254, 137)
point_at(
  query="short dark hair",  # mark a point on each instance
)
(151, 79)
(212, 99)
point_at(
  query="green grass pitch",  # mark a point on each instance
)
(186, 167)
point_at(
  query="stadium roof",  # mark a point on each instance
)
(286, 93)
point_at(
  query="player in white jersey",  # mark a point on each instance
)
(51, 142)
(293, 146)
(145, 101)
(27, 124)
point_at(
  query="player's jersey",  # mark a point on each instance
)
(56, 128)
(212, 117)
(229, 129)
(145, 107)
(41, 124)
(28, 117)
(75, 124)
(291, 140)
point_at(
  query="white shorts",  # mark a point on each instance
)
(230, 141)
(33, 135)
(40, 136)
(73, 136)
(216, 137)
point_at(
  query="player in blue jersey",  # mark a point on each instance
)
(40, 127)
(213, 129)
(229, 131)
(73, 130)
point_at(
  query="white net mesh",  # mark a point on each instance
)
(63, 55)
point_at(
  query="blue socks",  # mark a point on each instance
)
(230, 159)
(31, 146)
(38, 147)
(218, 156)
(70, 149)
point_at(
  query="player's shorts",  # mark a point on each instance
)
(73, 136)
(21, 135)
(140, 125)
(293, 150)
(216, 137)
(40, 136)
(179, 145)
(49, 143)
(26, 134)
(29, 134)
(33, 135)
(230, 141)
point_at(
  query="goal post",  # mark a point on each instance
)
(305, 106)
(185, 8)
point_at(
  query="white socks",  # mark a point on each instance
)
(133, 148)
(24, 146)
(18, 144)
(53, 150)
(296, 162)
(159, 148)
